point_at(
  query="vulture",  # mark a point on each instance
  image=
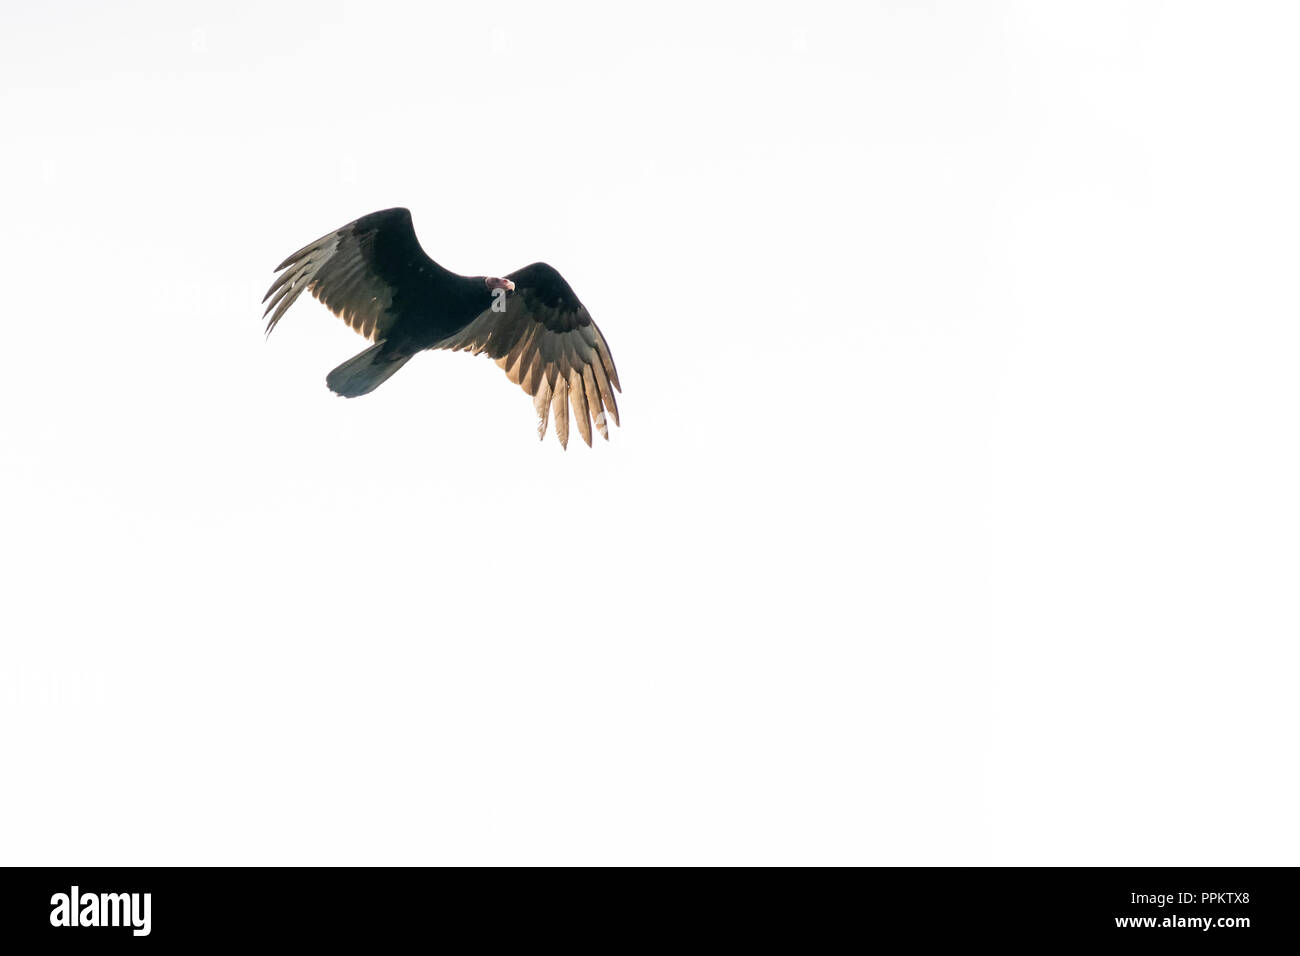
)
(373, 274)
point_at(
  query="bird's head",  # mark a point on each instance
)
(494, 283)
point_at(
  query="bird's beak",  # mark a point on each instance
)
(501, 284)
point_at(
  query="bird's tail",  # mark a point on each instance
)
(364, 372)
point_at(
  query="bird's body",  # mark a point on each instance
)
(373, 274)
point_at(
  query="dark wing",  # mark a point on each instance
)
(547, 344)
(363, 272)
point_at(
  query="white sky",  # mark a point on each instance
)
(953, 518)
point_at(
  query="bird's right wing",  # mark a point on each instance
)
(365, 273)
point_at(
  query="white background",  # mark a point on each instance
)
(953, 518)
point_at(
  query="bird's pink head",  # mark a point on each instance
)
(494, 284)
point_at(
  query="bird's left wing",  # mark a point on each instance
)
(549, 346)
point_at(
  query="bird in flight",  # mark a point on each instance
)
(373, 275)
